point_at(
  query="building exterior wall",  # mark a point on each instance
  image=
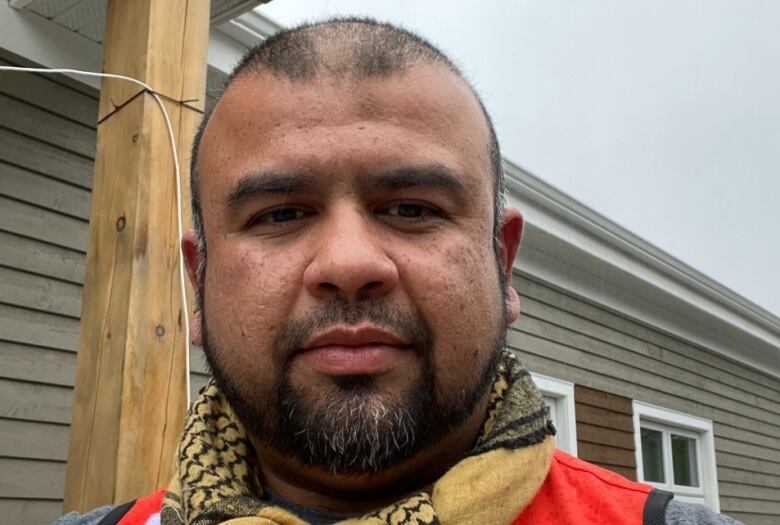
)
(605, 430)
(564, 336)
(47, 144)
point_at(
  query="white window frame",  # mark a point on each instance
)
(562, 395)
(667, 420)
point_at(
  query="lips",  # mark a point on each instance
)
(353, 351)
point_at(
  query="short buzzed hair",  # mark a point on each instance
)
(356, 48)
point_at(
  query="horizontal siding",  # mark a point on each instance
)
(753, 519)
(47, 127)
(39, 157)
(605, 430)
(47, 149)
(33, 440)
(29, 512)
(46, 93)
(32, 328)
(32, 479)
(25, 401)
(565, 336)
(44, 191)
(199, 374)
(38, 257)
(37, 364)
(47, 146)
(36, 292)
(635, 336)
(543, 321)
(38, 223)
(747, 477)
(550, 358)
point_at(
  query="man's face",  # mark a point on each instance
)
(351, 294)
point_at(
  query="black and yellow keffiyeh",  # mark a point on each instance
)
(216, 483)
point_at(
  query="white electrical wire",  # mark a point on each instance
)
(177, 172)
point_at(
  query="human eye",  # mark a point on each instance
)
(410, 212)
(279, 217)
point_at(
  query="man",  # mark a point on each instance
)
(353, 257)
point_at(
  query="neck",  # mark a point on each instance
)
(317, 488)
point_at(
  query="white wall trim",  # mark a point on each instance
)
(698, 426)
(575, 248)
(224, 51)
(230, 40)
(563, 392)
(51, 45)
(19, 4)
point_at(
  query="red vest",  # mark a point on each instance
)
(574, 493)
(579, 493)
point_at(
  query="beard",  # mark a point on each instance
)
(353, 428)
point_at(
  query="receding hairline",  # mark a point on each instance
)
(360, 47)
(461, 89)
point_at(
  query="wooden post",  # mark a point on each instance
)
(130, 394)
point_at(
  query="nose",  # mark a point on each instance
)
(350, 259)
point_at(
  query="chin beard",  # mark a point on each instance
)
(353, 428)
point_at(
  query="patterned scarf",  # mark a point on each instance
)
(216, 481)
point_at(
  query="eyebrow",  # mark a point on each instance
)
(432, 176)
(435, 176)
(259, 184)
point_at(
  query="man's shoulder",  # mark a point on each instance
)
(676, 512)
(136, 511)
(680, 513)
(92, 517)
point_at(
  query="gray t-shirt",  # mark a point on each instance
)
(678, 513)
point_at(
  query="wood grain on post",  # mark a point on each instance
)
(130, 393)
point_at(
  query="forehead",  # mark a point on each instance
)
(425, 110)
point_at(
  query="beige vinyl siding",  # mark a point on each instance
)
(605, 430)
(564, 336)
(47, 142)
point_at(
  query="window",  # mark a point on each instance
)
(559, 398)
(675, 452)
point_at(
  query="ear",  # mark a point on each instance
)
(511, 235)
(191, 254)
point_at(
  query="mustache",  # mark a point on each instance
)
(380, 312)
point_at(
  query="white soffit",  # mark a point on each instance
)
(87, 17)
(576, 249)
(67, 33)
(230, 40)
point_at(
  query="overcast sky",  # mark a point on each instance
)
(662, 115)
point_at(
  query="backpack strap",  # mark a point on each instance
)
(136, 512)
(116, 514)
(655, 507)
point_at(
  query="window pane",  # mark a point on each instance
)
(684, 461)
(652, 455)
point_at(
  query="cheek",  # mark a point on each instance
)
(248, 294)
(459, 296)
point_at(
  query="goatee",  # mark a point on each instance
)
(353, 428)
